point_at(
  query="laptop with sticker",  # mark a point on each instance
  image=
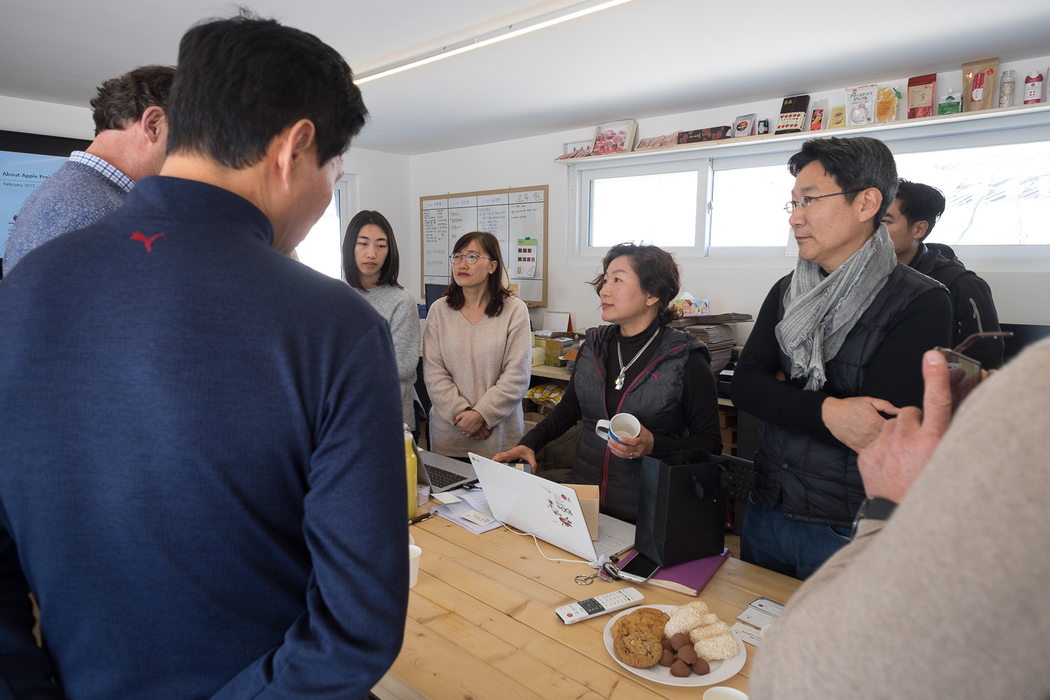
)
(548, 510)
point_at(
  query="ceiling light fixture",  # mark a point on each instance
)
(517, 29)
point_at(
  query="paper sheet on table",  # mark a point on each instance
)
(471, 512)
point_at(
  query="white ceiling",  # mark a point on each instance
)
(645, 58)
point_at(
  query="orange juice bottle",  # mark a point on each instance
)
(885, 104)
(411, 465)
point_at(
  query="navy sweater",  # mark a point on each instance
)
(202, 475)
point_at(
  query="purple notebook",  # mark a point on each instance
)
(689, 578)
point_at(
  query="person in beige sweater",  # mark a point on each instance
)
(946, 598)
(477, 355)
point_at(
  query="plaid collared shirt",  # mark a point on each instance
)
(108, 171)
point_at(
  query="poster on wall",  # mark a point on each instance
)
(517, 217)
(20, 175)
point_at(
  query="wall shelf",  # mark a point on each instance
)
(1015, 117)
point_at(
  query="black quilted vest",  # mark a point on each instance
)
(818, 481)
(654, 398)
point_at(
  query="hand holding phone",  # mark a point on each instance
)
(965, 373)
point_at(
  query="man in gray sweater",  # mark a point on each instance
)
(130, 133)
(946, 598)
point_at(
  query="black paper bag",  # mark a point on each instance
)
(682, 507)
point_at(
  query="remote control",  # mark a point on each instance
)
(610, 602)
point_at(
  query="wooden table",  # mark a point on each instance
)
(481, 622)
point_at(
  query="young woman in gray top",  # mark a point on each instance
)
(371, 264)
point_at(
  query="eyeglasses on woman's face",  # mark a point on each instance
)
(471, 258)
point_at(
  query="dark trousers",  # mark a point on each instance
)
(785, 546)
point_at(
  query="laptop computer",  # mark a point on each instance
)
(443, 473)
(548, 510)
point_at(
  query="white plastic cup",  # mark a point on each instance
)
(622, 425)
(414, 553)
(721, 692)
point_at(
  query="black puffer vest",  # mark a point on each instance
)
(654, 398)
(818, 481)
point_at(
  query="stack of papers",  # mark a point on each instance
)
(467, 508)
(760, 614)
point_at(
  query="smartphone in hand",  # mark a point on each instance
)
(965, 373)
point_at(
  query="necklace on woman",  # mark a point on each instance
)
(618, 384)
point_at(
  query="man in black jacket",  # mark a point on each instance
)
(910, 219)
(837, 347)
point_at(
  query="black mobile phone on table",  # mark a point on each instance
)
(639, 569)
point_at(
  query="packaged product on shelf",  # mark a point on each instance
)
(1007, 85)
(744, 125)
(860, 105)
(950, 103)
(837, 120)
(763, 126)
(920, 95)
(711, 133)
(1033, 88)
(816, 117)
(546, 394)
(792, 117)
(979, 79)
(886, 100)
(615, 137)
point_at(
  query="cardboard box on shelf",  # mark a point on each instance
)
(728, 437)
(532, 419)
(726, 417)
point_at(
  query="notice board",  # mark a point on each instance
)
(516, 216)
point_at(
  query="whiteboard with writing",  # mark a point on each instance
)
(517, 217)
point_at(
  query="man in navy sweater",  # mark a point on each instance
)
(202, 477)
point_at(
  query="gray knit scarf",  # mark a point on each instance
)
(821, 311)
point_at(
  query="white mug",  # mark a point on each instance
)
(721, 692)
(622, 425)
(414, 553)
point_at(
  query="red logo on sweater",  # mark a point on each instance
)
(147, 241)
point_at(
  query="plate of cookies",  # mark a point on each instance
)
(683, 645)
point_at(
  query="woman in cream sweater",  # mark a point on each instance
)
(477, 355)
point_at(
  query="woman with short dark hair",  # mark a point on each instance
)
(477, 355)
(638, 365)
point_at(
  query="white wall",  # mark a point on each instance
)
(393, 185)
(732, 285)
(380, 182)
(1020, 287)
(46, 118)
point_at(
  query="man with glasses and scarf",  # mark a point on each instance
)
(835, 350)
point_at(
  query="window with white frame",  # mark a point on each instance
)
(996, 195)
(659, 209)
(660, 204)
(322, 247)
(991, 168)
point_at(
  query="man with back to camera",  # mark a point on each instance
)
(835, 346)
(910, 219)
(200, 481)
(130, 133)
